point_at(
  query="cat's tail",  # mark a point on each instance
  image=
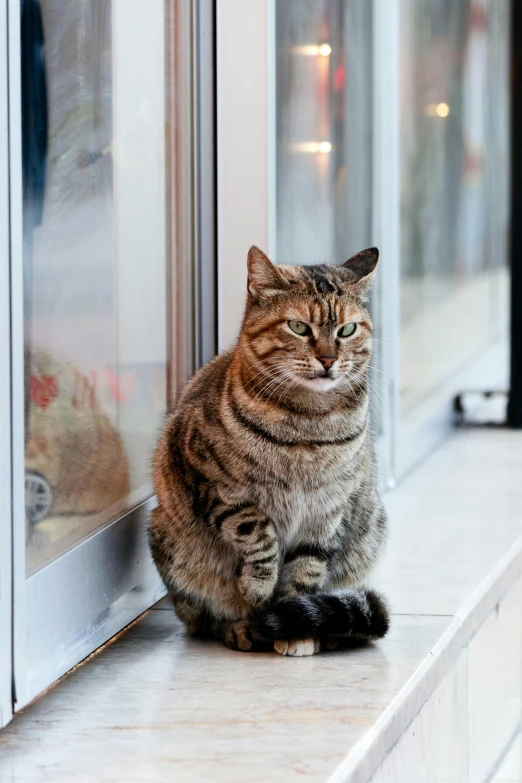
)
(355, 614)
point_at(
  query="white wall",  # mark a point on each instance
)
(139, 178)
(244, 69)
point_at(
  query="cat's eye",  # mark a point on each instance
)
(298, 327)
(347, 330)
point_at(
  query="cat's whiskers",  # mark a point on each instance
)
(374, 397)
(292, 375)
(282, 375)
(266, 374)
(285, 376)
(293, 381)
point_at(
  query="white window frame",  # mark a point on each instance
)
(245, 149)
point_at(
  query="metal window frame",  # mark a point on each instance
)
(191, 195)
(204, 122)
(17, 348)
(6, 673)
(514, 410)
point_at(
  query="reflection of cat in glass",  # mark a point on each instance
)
(74, 459)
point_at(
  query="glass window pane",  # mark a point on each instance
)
(95, 262)
(324, 140)
(323, 120)
(454, 180)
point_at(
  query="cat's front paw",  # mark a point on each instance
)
(238, 636)
(257, 590)
(242, 636)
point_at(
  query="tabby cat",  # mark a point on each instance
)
(269, 519)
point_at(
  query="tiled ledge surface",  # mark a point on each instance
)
(155, 706)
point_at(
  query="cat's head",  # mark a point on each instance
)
(307, 327)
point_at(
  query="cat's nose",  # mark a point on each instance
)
(327, 361)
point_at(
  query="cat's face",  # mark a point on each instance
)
(307, 327)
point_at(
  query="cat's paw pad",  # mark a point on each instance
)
(297, 648)
(238, 636)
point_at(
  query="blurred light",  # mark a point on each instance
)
(311, 146)
(313, 50)
(437, 110)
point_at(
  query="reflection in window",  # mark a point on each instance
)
(323, 119)
(454, 185)
(324, 138)
(95, 259)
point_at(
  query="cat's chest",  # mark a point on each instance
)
(302, 514)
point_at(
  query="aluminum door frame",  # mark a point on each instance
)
(6, 673)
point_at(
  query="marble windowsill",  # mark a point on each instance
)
(155, 706)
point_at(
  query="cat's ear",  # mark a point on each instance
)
(362, 267)
(263, 276)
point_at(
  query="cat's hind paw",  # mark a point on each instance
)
(297, 648)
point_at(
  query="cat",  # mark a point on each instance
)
(74, 450)
(269, 519)
(70, 440)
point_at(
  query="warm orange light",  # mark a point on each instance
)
(311, 146)
(313, 50)
(437, 110)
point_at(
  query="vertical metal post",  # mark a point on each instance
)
(6, 550)
(204, 146)
(515, 393)
(183, 276)
(17, 347)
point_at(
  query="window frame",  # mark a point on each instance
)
(5, 390)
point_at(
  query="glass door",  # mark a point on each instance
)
(102, 318)
(454, 142)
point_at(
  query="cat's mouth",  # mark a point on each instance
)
(319, 382)
(321, 374)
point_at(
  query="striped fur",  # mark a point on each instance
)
(269, 520)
